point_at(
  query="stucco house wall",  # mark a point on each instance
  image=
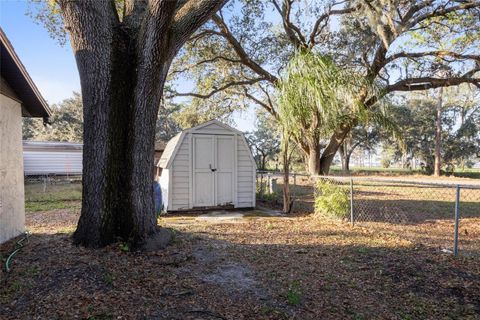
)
(12, 207)
(19, 97)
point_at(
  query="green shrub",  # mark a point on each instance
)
(331, 200)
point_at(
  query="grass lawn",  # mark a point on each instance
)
(40, 197)
(295, 267)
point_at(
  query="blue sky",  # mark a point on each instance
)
(51, 66)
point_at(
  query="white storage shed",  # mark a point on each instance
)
(209, 165)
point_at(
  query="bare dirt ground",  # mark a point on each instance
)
(295, 267)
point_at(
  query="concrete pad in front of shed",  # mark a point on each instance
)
(223, 216)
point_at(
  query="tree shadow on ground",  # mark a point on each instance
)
(223, 273)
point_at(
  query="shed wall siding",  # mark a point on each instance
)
(12, 202)
(245, 172)
(180, 176)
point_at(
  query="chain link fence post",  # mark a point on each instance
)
(261, 186)
(352, 221)
(457, 218)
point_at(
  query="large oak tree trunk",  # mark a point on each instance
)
(118, 154)
(123, 67)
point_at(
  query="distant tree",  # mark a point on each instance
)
(123, 50)
(398, 45)
(438, 134)
(264, 140)
(167, 126)
(460, 133)
(66, 123)
(462, 144)
(191, 115)
(365, 137)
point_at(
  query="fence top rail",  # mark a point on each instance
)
(401, 181)
(278, 173)
(379, 179)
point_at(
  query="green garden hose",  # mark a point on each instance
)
(18, 246)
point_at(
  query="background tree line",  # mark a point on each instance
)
(238, 58)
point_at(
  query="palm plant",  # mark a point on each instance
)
(316, 97)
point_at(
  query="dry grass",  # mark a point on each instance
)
(296, 267)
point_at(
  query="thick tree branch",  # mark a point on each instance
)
(268, 107)
(441, 12)
(191, 15)
(269, 99)
(408, 21)
(133, 14)
(201, 62)
(440, 54)
(323, 19)
(293, 32)
(204, 33)
(240, 51)
(215, 90)
(414, 9)
(425, 83)
(154, 47)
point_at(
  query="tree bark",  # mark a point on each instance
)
(287, 202)
(438, 135)
(345, 155)
(314, 157)
(335, 142)
(123, 66)
(346, 161)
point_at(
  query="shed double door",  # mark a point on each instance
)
(213, 170)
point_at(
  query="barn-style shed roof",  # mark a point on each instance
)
(172, 145)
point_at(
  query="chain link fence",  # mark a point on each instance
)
(440, 215)
(269, 189)
(446, 216)
(48, 192)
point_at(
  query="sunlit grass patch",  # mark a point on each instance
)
(47, 205)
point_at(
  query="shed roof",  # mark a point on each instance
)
(172, 145)
(169, 150)
(13, 71)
